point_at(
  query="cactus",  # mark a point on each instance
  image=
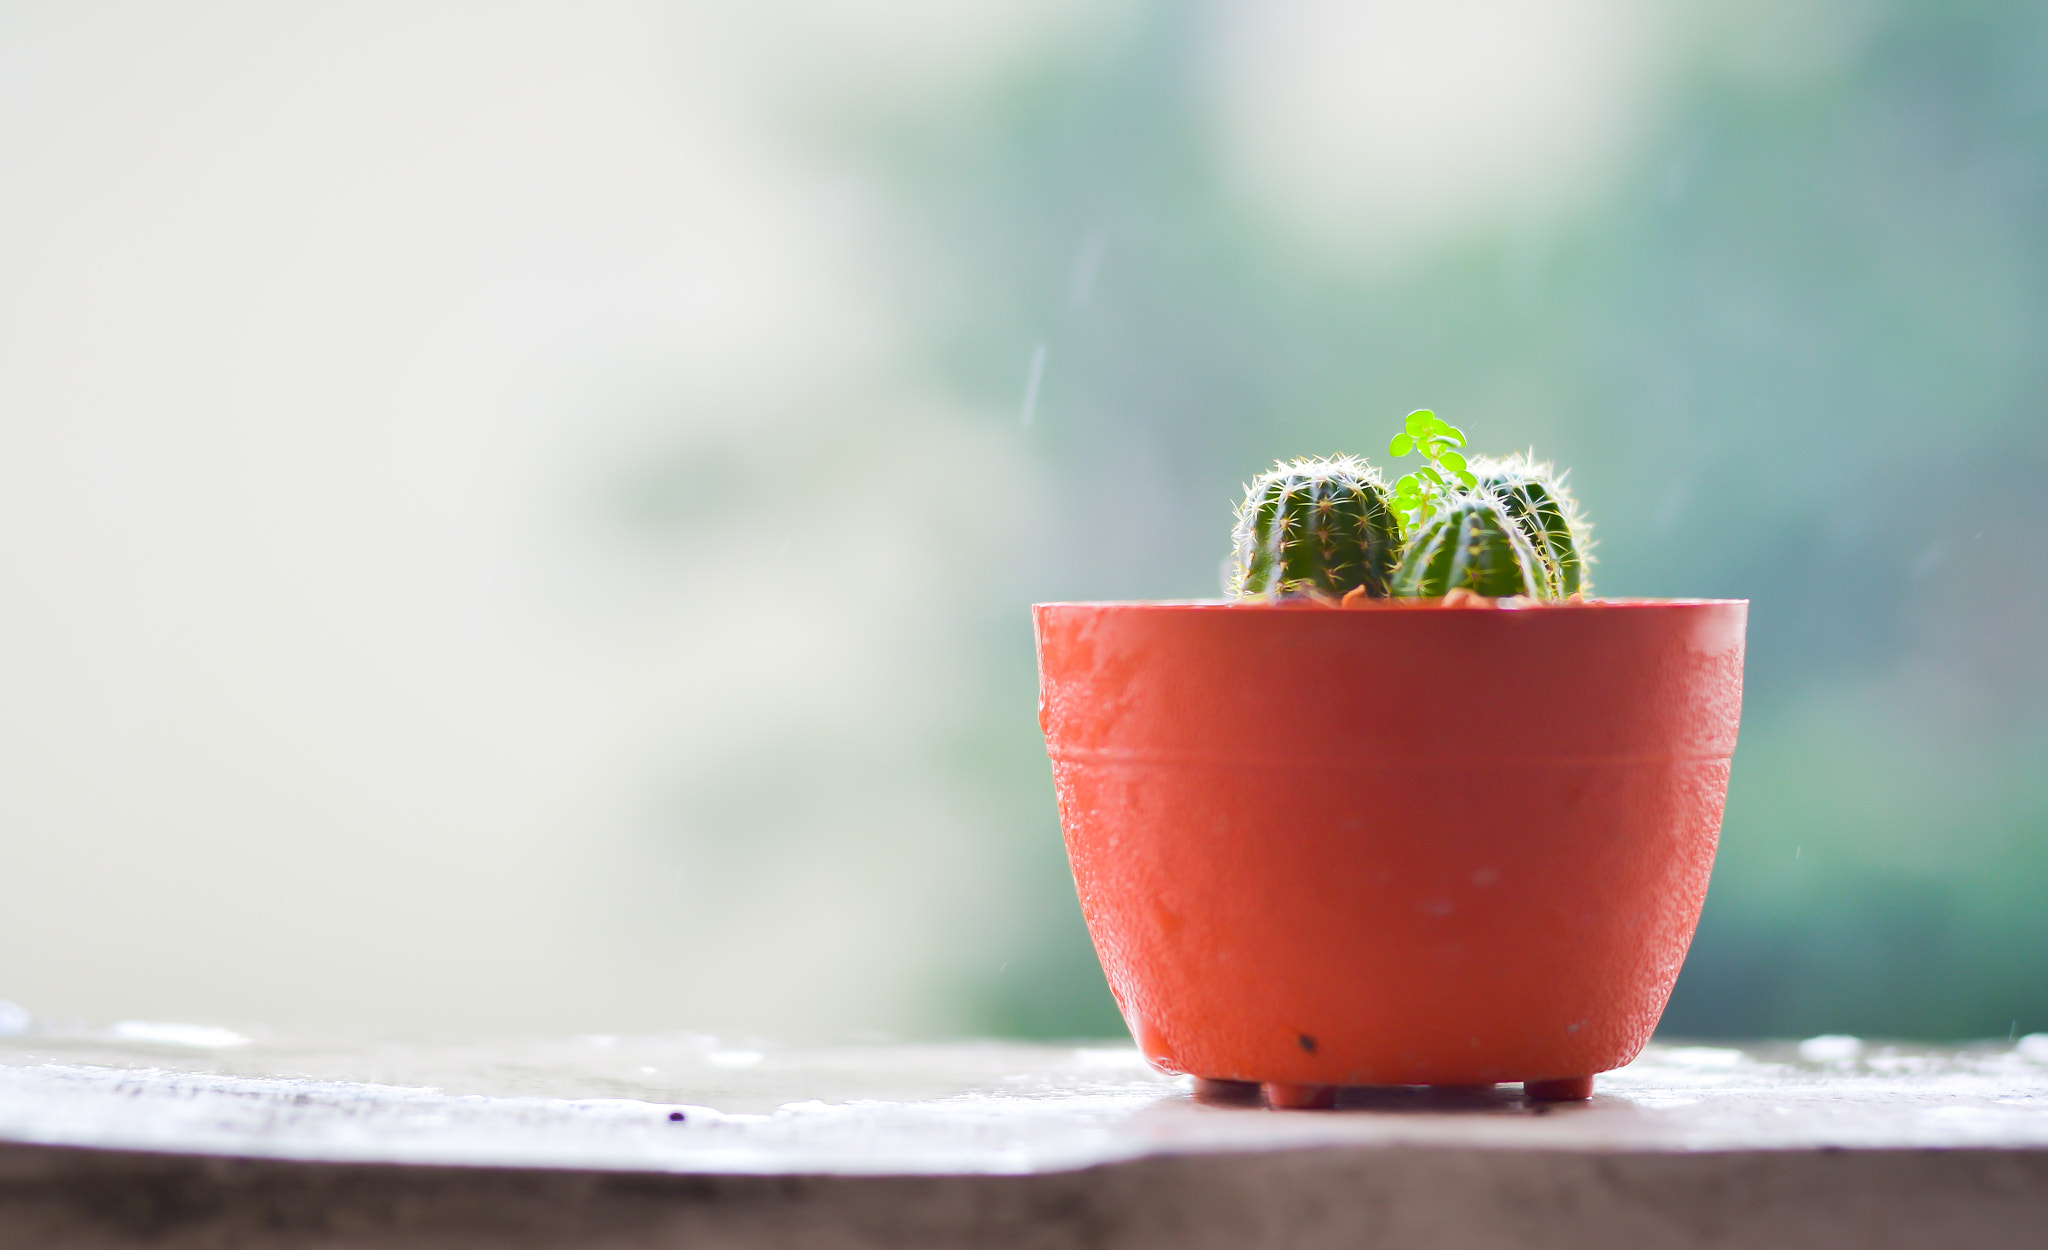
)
(1315, 527)
(1471, 544)
(1329, 528)
(1538, 501)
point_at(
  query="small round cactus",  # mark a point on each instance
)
(1470, 544)
(1536, 498)
(1314, 527)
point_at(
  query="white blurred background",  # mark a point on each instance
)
(447, 448)
(518, 517)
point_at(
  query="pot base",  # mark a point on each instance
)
(1218, 1090)
(1289, 1096)
(1562, 1089)
(1302, 1096)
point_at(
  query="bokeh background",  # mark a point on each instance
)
(519, 517)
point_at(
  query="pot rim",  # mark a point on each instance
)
(1390, 605)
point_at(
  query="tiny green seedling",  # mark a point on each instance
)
(1422, 494)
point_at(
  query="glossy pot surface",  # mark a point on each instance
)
(1399, 843)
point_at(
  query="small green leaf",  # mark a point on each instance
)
(1469, 481)
(1437, 425)
(1418, 421)
(1402, 445)
(1452, 460)
(1431, 474)
(1407, 485)
(1455, 434)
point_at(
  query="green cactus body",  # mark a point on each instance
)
(1472, 544)
(1548, 516)
(1316, 527)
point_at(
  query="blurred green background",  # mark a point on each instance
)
(521, 518)
(1795, 349)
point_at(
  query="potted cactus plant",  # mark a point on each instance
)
(1410, 806)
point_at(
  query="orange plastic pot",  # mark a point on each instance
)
(1398, 843)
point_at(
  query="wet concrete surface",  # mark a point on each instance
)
(146, 1135)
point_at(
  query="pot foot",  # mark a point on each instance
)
(1289, 1096)
(1563, 1089)
(1217, 1089)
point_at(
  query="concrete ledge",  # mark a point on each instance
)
(74, 1199)
(106, 1142)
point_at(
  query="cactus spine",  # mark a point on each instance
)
(1470, 544)
(1536, 498)
(1315, 527)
